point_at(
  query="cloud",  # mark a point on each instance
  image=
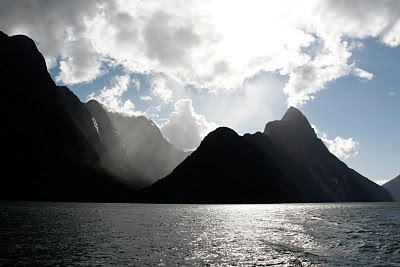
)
(362, 73)
(59, 29)
(200, 44)
(153, 112)
(146, 98)
(246, 109)
(185, 129)
(160, 89)
(340, 147)
(168, 40)
(79, 63)
(381, 182)
(111, 97)
(361, 19)
(392, 93)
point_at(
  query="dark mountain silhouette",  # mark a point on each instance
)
(288, 163)
(57, 148)
(226, 168)
(52, 149)
(143, 139)
(393, 187)
(318, 175)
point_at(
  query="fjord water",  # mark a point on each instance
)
(340, 234)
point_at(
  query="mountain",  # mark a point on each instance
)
(225, 168)
(151, 151)
(286, 163)
(318, 174)
(57, 148)
(52, 146)
(393, 187)
(120, 160)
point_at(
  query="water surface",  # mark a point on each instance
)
(350, 234)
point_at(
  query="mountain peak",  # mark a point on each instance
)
(3, 35)
(293, 114)
(94, 103)
(225, 132)
(294, 118)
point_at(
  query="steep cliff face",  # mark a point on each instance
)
(52, 148)
(393, 187)
(117, 157)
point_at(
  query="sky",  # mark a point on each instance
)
(192, 66)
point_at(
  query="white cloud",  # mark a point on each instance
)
(392, 36)
(381, 182)
(392, 93)
(362, 73)
(111, 97)
(340, 147)
(201, 44)
(59, 28)
(160, 89)
(135, 84)
(146, 98)
(185, 129)
(79, 63)
(248, 108)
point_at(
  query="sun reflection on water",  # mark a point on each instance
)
(253, 234)
(353, 234)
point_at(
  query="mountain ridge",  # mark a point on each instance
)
(207, 183)
(393, 187)
(60, 149)
(311, 163)
(49, 154)
(298, 162)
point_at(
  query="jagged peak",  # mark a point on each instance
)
(293, 114)
(293, 117)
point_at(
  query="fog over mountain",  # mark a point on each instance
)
(143, 139)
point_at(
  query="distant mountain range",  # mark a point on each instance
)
(57, 148)
(393, 187)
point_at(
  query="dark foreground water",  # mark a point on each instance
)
(169, 235)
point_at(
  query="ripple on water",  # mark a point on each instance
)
(352, 234)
